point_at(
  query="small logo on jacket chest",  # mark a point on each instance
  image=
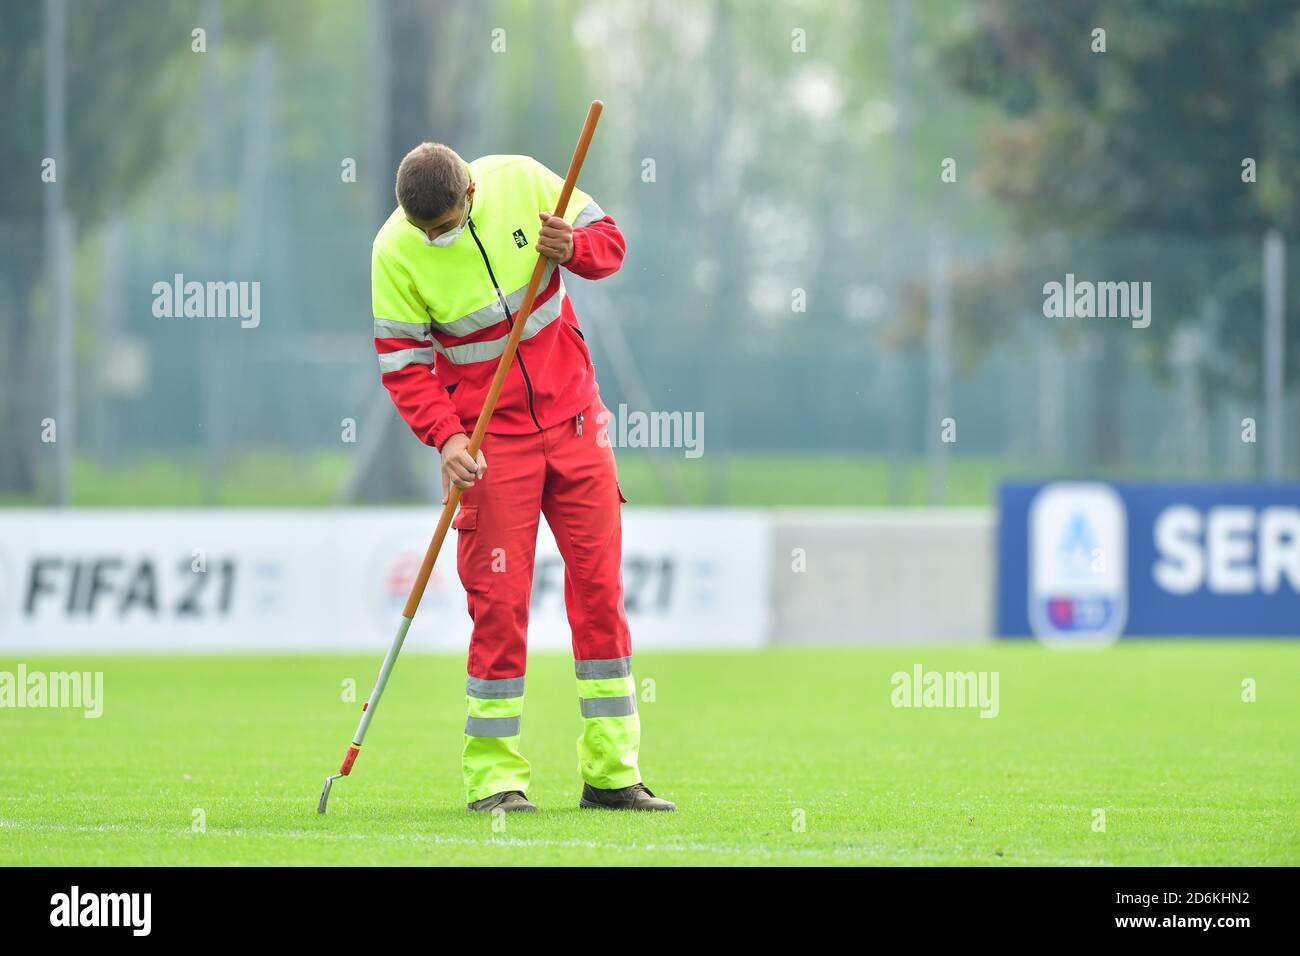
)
(520, 239)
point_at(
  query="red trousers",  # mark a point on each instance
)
(567, 473)
(570, 478)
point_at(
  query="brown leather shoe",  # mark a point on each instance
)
(510, 801)
(635, 797)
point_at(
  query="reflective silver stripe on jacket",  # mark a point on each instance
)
(490, 314)
(483, 318)
(602, 670)
(544, 315)
(590, 213)
(388, 329)
(608, 706)
(395, 361)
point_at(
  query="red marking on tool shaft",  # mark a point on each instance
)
(365, 705)
(349, 760)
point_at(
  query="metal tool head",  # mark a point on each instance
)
(325, 792)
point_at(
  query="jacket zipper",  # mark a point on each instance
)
(505, 307)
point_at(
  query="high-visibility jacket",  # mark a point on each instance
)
(440, 313)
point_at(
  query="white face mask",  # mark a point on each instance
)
(447, 238)
(450, 236)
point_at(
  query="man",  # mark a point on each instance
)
(447, 269)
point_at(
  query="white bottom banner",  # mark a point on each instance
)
(224, 580)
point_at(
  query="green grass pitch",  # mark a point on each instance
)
(1155, 734)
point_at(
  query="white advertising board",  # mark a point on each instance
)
(178, 580)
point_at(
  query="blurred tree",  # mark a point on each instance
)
(1147, 139)
(128, 66)
(428, 88)
(1149, 135)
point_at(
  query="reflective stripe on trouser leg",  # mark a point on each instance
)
(491, 761)
(611, 727)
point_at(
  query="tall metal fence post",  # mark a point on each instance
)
(58, 250)
(1274, 354)
(939, 355)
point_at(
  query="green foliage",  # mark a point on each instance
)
(127, 69)
(1149, 135)
(1131, 159)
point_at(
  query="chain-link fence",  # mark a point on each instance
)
(796, 275)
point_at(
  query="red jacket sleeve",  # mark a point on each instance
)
(419, 395)
(406, 355)
(597, 249)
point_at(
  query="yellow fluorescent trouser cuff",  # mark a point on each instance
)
(491, 761)
(611, 733)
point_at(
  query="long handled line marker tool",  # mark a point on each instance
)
(453, 498)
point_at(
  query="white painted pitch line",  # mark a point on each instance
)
(431, 838)
(438, 840)
(864, 855)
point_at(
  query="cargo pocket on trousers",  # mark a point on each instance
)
(466, 518)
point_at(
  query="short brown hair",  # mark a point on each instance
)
(431, 179)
